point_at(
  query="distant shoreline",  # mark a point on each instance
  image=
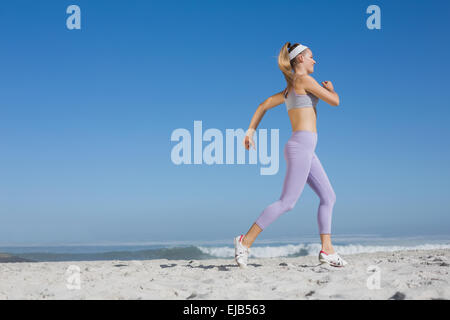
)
(6, 258)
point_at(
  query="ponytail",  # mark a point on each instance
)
(287, 65)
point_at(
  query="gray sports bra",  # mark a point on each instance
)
(294, 101)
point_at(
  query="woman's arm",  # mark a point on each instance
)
(325, 93)
(269, 103)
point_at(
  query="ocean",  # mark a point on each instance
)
(200, 250)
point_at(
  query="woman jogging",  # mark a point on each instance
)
(303, 165)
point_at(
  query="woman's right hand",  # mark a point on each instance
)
(248, 139)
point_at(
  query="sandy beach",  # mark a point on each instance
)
(412, 274)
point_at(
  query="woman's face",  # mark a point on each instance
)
(309, 62)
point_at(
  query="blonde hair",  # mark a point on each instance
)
(286, 65)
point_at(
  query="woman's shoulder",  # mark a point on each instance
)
(298, 83)
(303, 82)
(302, 78)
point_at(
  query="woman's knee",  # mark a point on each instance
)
(329, 198)
(288, 204)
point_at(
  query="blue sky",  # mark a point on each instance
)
(86, 117)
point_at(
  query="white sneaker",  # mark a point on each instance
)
(332, 259)
(241, 252)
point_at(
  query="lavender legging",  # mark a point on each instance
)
(303, 166)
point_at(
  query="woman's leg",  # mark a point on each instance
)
(319, 182)
(251, 235)
(298, 153)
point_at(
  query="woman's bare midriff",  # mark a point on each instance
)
(303, 119)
